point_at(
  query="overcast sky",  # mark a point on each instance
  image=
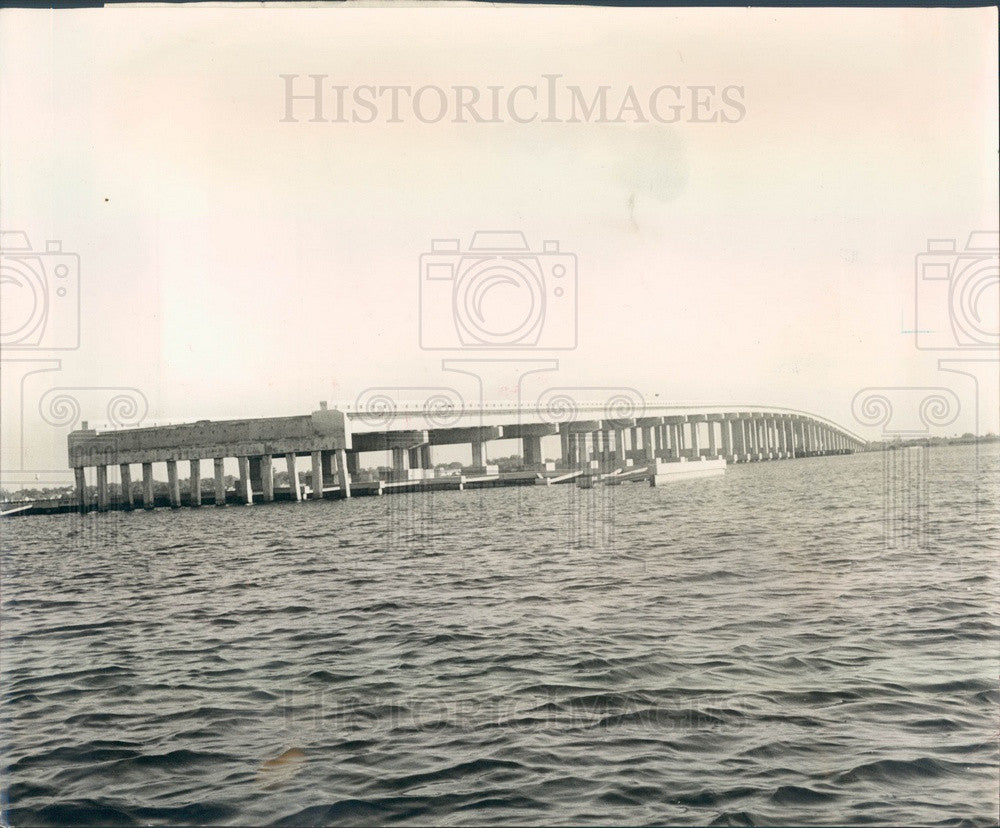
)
(232, 264)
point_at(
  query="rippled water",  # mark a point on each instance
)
(733, 651)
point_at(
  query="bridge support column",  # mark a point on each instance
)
(344, 476)
(621, 450)
(102, 488)
(195, 483)
(679, 438)
(695, 444)
(727, 439)
(413, 457)
(478, 454)
(80, 476)
(565, 448)
(648, 445)
(256, 479)
(317, 473)
(220, 481)
(246, 484)
(354, 463)
(293, 477)
(660, 442)
(713, 445)
(329, 465)
(267, 478)
(531, 451)
(420, 457)
(173, 484)
(128, 502)
(148, 492)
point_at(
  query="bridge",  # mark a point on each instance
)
(597, 444)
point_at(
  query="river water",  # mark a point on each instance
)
(797, 642)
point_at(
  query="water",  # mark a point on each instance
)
(729, 651)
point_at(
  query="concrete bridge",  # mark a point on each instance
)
(595, 445)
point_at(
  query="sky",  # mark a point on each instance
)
(235, 263)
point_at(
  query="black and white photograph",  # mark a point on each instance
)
(480, 414)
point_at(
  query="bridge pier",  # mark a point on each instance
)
(102, 488)
(267, 478)
(713, 445)
(147, 486)
(681, 437)
(194, 483)
(648, 444)
(478, 454)
(128, 502)
(317, 473)
(693, 425)
(220, 481)
(80, 477)
(293, 477)
(344, 476)
(531, 450)
(246, 484)
(660, 442)
(621, 449)
(759, 444)
(173, 485)
(354, 463)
